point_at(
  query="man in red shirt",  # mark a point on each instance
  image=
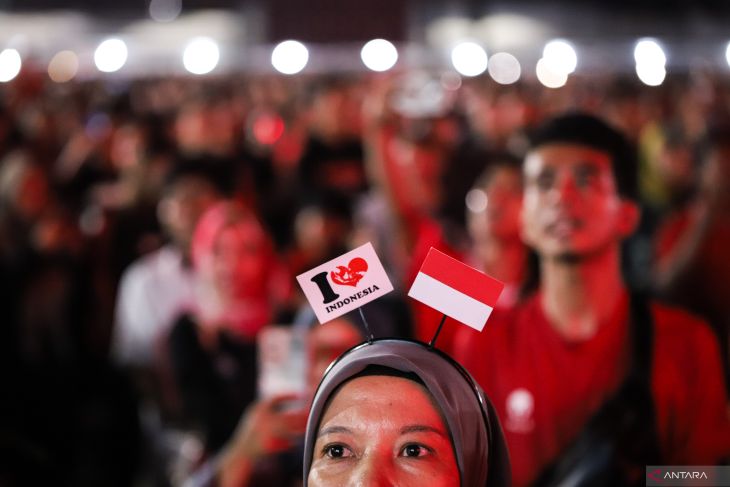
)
(587, 378)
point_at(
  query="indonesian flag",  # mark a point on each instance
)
(455, 289)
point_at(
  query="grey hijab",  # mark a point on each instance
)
(479, 446)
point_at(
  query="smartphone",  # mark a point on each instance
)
(282, 361)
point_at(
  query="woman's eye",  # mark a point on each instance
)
(337, 451)
(545, 180)
(414, 450)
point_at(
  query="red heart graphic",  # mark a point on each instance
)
(350, 275)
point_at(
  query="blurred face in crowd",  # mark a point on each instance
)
(318, 234)
(238, 261)
(715, 179)
(327, 342)
(189, 128)
(182, 205)
(335, 113)
(220, 129)
(32, 194)
(676, 168)
(24, 187)
(423, 165)
(571, 208)
(127, 147)
(383, 430)
(499, 214)
(495, 116)
(205, 128)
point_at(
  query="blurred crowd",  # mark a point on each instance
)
(151, 230)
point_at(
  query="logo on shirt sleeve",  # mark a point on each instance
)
(520, 407)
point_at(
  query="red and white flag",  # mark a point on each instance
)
(345, 283)
(455, 289)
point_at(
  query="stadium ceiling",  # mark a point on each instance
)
(156, 31)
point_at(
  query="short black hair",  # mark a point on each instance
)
(590, 131)
(496, 161)
(199, 168)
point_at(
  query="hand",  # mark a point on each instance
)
(266, 428)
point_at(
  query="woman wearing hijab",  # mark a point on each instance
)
(397, 412)
(213, 348)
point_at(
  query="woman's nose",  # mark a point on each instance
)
(374, 472)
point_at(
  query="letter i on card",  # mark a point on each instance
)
(345, 283)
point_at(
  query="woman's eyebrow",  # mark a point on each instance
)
(422, 428)
(333, 429)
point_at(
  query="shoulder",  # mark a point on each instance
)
(165, 258)
(677, 328)
(685, 348)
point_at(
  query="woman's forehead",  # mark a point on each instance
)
(403, 399)
(242, 231)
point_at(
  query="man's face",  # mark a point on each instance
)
(500, 216)
(571, 208)
(183, 204)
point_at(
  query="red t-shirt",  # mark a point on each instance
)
(546, 388)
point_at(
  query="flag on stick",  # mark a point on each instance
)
(345, 283)
(455, 289)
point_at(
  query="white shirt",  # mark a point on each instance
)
(154, 291)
